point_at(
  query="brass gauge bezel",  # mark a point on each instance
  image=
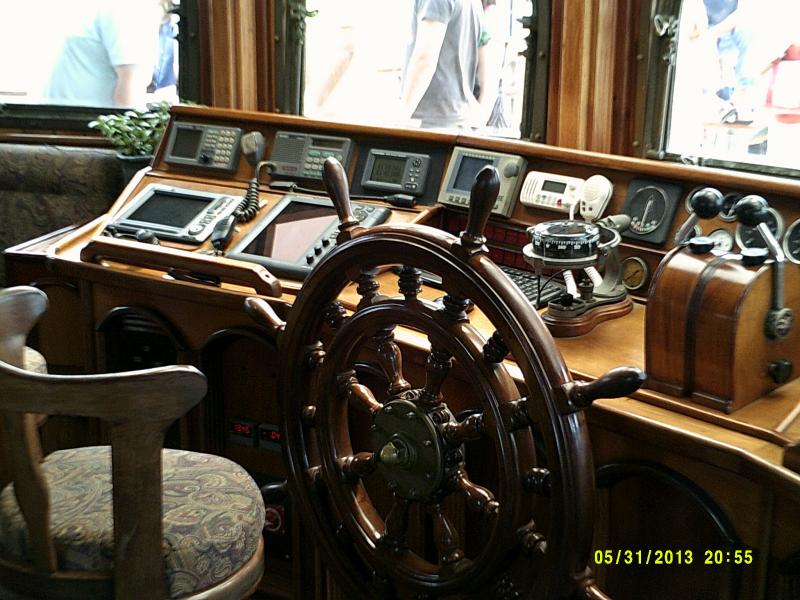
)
(645, 273)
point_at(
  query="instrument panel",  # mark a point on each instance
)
(425, 172)
(651, 205)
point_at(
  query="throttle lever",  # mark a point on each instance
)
(706, 204)
(752, 212)
(616, 383)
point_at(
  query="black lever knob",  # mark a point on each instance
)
(335, 180)
(616, 383)
(481, 201)
(706, 202)
(751, 210)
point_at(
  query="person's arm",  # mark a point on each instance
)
(132, 81)
(490, 62)
(422, 64)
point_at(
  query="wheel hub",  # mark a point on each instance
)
(409, 452)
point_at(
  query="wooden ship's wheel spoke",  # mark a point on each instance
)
(391, 361)
(437, 367)
(396, 526)
(445, 536)
(477, 497)
(357, 466)
(358, 396)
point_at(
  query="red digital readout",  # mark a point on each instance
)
(242, 429)
(271, 435)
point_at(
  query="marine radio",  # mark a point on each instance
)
(464, 166)
(205, 146)
(395, 171)
(301, 154)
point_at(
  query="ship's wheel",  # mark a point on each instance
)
(428, 457)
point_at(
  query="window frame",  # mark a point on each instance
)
(657, 72)
(289, 37)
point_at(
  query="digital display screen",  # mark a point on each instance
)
(467, 170)
(388, 169)
(187, 142)
(174, 210)
(327, 143)
(289, 236)
(554, 186)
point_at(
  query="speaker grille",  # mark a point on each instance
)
(288, 148)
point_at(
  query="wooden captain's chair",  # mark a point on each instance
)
(183, 524)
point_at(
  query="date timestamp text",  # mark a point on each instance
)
(673, 557)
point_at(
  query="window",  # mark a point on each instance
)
(85, 56)
(733, 73)
(359, 59)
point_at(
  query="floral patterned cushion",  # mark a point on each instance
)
(213, 515)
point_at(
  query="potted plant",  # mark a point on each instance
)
(135, 134)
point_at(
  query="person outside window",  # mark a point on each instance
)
(446, 56)
(108, 55)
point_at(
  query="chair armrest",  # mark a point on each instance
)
(159, 394)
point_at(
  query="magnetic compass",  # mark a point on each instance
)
(567, 244)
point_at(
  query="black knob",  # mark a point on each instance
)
(701, 245)
(780, 371)
(751, 210)
(752, 257)
(616, 383)
(706, 202)
(146, 236)
(481, 200)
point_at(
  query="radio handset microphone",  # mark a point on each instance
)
(706, 204)
(752, 212)
(222, 233)
(253, 147)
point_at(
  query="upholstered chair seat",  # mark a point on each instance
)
(129, 521)
(213, 516)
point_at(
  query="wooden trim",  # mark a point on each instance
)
(265, 54)
(232, 61)
(53, 138)
(554, 83)
(592, 68)
(625, 81)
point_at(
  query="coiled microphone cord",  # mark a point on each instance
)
(248, 207)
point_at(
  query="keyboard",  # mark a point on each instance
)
(527, 282)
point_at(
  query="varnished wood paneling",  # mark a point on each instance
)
(232, 73)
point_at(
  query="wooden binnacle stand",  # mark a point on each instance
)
(719, 326)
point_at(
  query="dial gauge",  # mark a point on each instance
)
(749, 237)
(728, 202)
(723, 240)
(647, 209)
(634, 273)
(791, 242)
